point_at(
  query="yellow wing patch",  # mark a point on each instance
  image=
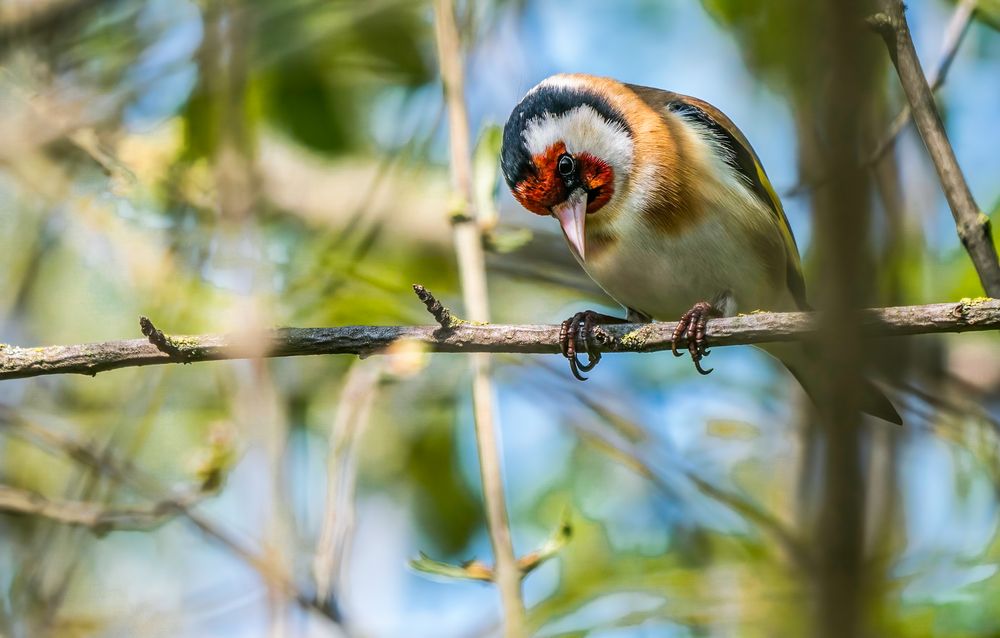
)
(796, 283)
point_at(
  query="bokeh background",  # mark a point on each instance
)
(226, 165)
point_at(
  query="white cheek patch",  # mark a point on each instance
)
(582, 130)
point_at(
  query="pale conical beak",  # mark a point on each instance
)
(571, 215)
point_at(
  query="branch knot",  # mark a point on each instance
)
(882, 23)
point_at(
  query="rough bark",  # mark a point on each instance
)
(92, 358)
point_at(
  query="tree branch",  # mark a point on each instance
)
(16, 362)
(973, 225)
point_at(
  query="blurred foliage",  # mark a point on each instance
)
(311, 66)
(772, 35)
(989, 12)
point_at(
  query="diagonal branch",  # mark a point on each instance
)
(958, 26)
(16, 362)
(354, 409)
(973, 225)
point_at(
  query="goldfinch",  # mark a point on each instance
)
(664, 204)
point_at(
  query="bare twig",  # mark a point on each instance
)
(472, 273)
(634, 454)
(15, 362)
(973, 226)
(440, 313)
(478, 570)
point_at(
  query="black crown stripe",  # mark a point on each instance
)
(515, 161)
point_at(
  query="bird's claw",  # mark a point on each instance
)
(692, 324)
(569, 332)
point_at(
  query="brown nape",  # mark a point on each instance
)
(674, 205)
(660, 140)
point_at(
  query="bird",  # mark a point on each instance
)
(666, 206)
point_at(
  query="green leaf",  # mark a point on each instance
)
(477, 570)
(470, 570)
(988, 12)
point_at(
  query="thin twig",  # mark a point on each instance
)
(954, 34)
(89, 359)
(478, 570)
(634, 454)
(472, 273)
(440, 313)
(353, 412)
(973, 226)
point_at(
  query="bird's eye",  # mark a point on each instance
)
(566, 165)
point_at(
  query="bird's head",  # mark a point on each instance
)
(567, 152)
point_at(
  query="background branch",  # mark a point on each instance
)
(97, 516)
(973, 225)
(92, 358)
(353, 414)
(837, 514)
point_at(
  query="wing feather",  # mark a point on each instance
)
(745, 161)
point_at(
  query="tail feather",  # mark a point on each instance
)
(796, 360)
(875, 403)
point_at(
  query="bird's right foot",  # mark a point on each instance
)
(588, 325)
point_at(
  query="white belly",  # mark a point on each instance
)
(663, 276)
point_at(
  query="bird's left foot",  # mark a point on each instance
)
(692, 324)
(588, 322)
